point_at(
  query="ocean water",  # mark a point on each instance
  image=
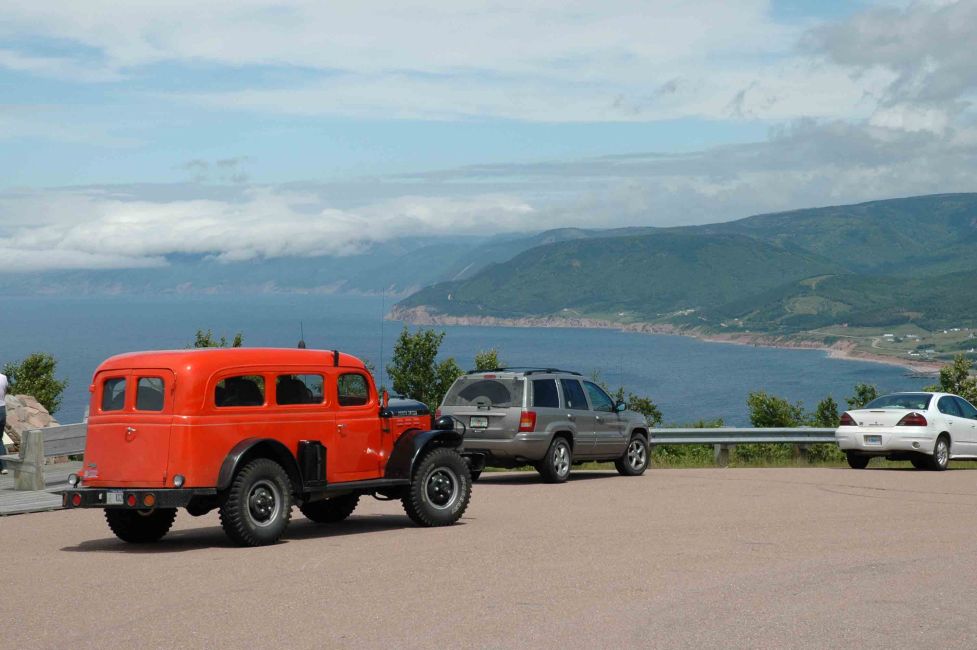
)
(687, 378)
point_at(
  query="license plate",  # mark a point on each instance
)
(873, 440)
(479, 422)
(113, 498)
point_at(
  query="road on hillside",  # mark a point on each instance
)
(747, 558)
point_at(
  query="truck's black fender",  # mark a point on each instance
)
(251, 448)
(412, 444)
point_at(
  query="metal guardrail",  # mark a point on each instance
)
(724, 439)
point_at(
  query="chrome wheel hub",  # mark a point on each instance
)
(637, 454)
(561, 459)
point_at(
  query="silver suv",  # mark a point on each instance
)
(547, 418)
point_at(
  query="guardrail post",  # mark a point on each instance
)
(721, 454)
(800, 452)
(29, 474)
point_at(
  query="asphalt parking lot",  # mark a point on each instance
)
(752, 558)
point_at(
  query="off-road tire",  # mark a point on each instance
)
(258, 505)
(636, 457)
(857, 461)
(331, 510)
(140, 526)
(440, 488)
(556, 464)
(941, 457)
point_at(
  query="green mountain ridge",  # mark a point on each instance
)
(873, 264)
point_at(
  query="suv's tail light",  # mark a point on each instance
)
(527, 421)
(437, 413)
(848, 421)
(912, 420)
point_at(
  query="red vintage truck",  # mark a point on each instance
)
(252, 432)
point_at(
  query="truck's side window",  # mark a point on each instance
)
(240, 391)
(353, 390)
(114, 394)
(149, 394)
(298, 389)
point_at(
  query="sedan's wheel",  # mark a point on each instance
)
(634, 462)
(941, 454)
(555, 466)
(857, 461)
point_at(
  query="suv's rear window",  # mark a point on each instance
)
(917, 401)
(472, 391)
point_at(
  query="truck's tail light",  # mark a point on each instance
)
(848, 421)
(76, 499)
(149, 500)
(131, 500)
(527, 421)
(913, 420)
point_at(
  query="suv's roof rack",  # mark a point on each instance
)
(528, 370)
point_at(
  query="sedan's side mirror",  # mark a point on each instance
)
(620, 407)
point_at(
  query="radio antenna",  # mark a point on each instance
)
(301, 336)
(380, 369)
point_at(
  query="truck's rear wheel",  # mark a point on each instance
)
(440, 488)
(331, 510)
(140, 526)
(258, 504)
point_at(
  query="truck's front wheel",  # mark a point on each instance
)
(140, 526)
(440, 488)
(258, 504)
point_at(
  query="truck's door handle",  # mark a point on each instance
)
(571, 416)
(340, 427)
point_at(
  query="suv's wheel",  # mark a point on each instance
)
(555, 466)
(634, 462)
(140, 526)
(331, 510)
(258, 504)
(440, 488)
(857, 461)
(941, 454)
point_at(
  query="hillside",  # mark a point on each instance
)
(629, 278)
(902, 262)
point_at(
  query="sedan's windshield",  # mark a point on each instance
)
(475, 391)
(913, 401)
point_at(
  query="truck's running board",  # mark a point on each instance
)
(364, 486)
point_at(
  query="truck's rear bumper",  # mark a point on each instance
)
(132, 499)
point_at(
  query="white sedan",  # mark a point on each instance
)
(927, 429)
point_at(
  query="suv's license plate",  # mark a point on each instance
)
(873, 440)
(479, 422)
(113, 498)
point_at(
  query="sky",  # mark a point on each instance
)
(134, 133)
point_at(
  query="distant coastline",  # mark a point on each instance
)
(838, 350)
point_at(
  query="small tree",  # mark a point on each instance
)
(771, 411)
(864, 393)
(205, 339)
(487, 360)
(956, 378)
(643, 405)
(414, 370)
(826, 415)
(34, 376)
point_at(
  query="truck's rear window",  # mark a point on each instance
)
(475, 391)
(240, 391)
(149, 394)
(114, 394)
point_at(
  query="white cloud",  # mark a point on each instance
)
(95, 229)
